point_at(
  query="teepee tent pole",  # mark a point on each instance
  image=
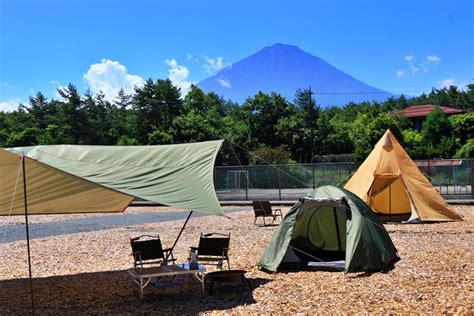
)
(27, 233)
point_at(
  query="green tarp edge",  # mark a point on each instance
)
(176, 175)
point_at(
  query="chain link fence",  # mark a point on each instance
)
(452, 178)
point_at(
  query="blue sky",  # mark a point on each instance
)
(399, 46)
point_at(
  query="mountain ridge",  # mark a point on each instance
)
(284, 69)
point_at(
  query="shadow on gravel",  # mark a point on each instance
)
(111, 292)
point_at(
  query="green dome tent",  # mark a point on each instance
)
(329, 225)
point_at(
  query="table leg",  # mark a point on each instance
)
(203, 278)
(141, 289)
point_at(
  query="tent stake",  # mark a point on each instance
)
(179, 235)
(27, 234)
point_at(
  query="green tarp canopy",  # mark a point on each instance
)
(81, 179)
(330, 224)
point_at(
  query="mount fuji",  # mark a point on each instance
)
(285, 69)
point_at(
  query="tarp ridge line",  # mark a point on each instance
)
(114, 164)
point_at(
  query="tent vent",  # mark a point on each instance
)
(387, 145)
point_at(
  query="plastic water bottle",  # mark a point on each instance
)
(193, 265)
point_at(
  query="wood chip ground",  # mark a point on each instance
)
(84, 273)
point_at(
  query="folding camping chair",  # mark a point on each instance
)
(213, 249)
(147, 249)
(264, 209)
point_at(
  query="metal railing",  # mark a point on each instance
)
(452, 177)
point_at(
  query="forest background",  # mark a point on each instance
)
(265, 129)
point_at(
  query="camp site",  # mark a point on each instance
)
(236, 157)
(84, 249)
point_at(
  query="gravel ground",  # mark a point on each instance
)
(79, 264)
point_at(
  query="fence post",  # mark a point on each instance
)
(429, 171)
(279, 185)
(214, 176)
(472, 178)
(324, 177)
(247, 184)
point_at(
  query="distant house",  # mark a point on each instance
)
(417, 113)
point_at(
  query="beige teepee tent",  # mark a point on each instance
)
(390, 182)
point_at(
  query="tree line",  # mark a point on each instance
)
(266, 128)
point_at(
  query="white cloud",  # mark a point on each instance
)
(10, 105)
(7, 85)
(191, 58)
(446, 83)
(214, 65)
(178, 75)
(414, 69)
(109, 77)
(224, 82)
(56, 93)
(433, 59)
(424, 67)
(400, 73)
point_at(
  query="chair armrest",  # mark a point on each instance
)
(167, 249)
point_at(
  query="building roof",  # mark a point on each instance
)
(424, 110)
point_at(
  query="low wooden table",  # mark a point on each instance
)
(141, 277)
(227, 276)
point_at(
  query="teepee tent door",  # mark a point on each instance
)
(390, 199)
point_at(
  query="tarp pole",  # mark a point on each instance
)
(27, 234)
(179, 235)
